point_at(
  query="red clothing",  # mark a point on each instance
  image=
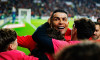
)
(26, 41)
(15, 55)
(43, 39)
(68, 32)
(90, 38)
(68, 35)
(60, 44)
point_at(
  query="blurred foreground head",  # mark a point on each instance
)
(82, 51)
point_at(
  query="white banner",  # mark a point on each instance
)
(97, 4)
(4, 0)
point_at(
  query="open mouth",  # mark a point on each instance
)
(61, 27)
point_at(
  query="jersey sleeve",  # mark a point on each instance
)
(26, 41)
(25, 57)
(40, 36)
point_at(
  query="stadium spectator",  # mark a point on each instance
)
(8, 46)
(98, 20)
(97, 31)
(13, 14)
(0, 13)
(83, 51)
(78, 7)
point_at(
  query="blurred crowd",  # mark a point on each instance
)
(44, 7)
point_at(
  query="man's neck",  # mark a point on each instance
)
(74, 38)
(98, 38)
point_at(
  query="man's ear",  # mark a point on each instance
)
(51, 24)
(10, 47)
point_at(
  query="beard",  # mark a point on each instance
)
(95, 37)
(56, 34)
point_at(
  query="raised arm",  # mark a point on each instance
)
(26, 41)
(42, 39)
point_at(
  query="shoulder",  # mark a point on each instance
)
(59, 42)
(59, 45)
(16, 55)
(46, 24)
(15, 52)
(12, 55)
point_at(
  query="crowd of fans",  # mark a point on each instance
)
(44, 7)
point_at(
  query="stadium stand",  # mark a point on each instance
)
(40, 8)
(44, 7)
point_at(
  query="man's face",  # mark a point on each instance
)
(97, 32)
(60, 22)
(98, 20)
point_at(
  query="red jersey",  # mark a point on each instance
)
(26, 41)
(68, 35)
(15, 55)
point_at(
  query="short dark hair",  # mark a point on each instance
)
(58, 10)
(7, 36)
(98, 19)
(82, 51)
(53, 33)
(97, 23)
(85, 28)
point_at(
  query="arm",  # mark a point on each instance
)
(40, 36)
(21, 56)
(26, 57)
(26, 41)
